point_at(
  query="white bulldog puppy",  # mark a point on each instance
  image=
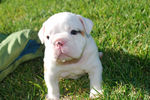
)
(70, 51)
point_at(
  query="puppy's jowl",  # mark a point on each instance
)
(70, 51)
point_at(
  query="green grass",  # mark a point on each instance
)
(121, 30)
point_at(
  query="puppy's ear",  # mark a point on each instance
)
(41, 33)
(87, 24)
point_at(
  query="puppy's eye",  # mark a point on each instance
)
(74, 32)
(47, 37)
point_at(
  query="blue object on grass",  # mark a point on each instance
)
(31, 47)
(17, 48)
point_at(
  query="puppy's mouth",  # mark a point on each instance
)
(64, 58)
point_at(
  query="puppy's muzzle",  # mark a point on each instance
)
(59, 44)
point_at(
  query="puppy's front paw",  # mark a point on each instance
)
(95, 93)
(51, 98)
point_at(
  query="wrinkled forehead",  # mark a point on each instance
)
(63, 22)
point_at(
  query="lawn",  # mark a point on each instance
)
(121, 31)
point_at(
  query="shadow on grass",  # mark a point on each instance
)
(129, 70)
(119, 68)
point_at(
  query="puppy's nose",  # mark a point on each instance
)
(59, 43)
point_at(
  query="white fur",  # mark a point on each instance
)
(78, 55)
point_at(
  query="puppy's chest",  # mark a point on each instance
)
(73, 74)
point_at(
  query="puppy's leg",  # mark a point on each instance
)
(95, 76)
(52, 85)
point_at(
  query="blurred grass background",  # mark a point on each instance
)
(121, 30)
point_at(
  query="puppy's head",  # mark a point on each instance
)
(64, 35)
